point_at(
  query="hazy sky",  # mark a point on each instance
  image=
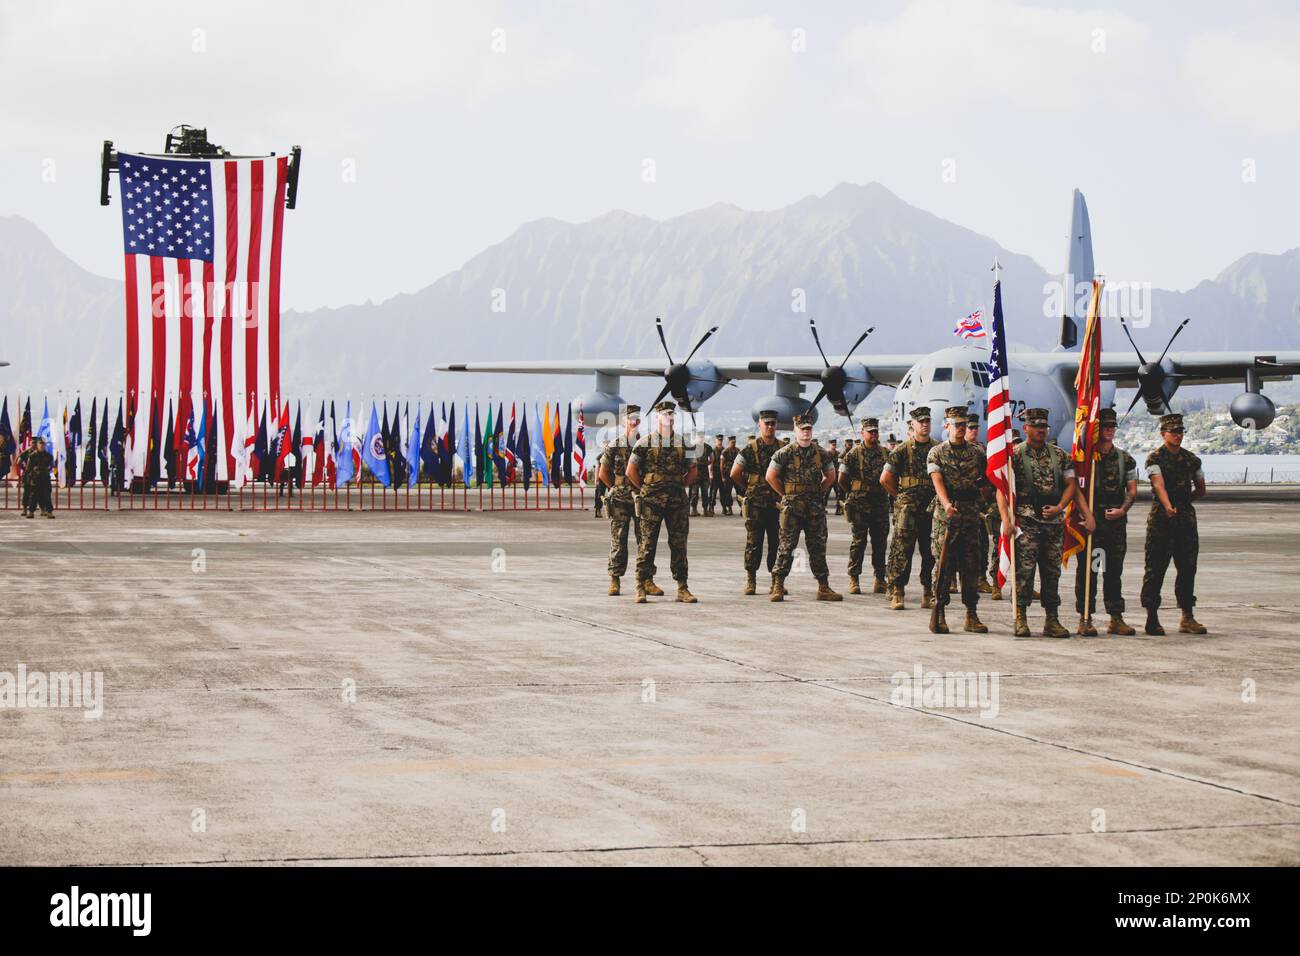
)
(1179, 120)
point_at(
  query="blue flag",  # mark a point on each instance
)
(413, 451)
(465, 451)
(372, 453)
(344, 465)
(539, 447)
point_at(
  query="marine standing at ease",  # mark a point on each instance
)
(760, 505)
(660, 469)
(800, 473)
(866, 505)
(905, 478)
(1176, 481)
(618, 498)
(956, 468)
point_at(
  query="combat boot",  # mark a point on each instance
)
(614, 588)
(896, 600)
(973, 623)
(952, 585)
(1022, 623)
(1153, 623)
(854, 587)
(984, 587)
(1052, 626)
(1118, 626)
(1086, 628)
(778, 588)
(879, 587)
(695, 511)
(1189, 624)
(640, 593)
(653, 589)
(684, 595)
(824, 592)
(939, 624)
(927, 599)
(751, 582)
(995, 593)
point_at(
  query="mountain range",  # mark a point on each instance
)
(856, 256)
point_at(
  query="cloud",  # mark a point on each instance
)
(1249, 77)
(724, 75)
(939, 56)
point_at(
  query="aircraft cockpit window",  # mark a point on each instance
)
(942, 375)
(980, 374)
(907, 382)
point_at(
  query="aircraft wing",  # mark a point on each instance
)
(884, 369)
(1203, 368)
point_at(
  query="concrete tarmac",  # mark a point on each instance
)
(457, 689)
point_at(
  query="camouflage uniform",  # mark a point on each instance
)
(723, 471)
(1112, 472)
(600, 485)
(962, 467)
(1175, 537)
(833, 456)
(664, 466)
(912, 518)
(1041, 475)
(867, 507)
(621, 506)
(803, 508)
(36, 467)
(703, 457)
(760, 508)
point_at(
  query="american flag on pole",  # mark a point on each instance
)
(202, 242)
(998, 449)
(970, 327)
(580, 448)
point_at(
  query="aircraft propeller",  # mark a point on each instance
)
(678, 375)
(1152, 376)
(834, 377)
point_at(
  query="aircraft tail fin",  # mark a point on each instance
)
(1079, 273)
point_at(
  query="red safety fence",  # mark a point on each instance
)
(262, 496)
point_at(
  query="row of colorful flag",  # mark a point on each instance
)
(543, 446)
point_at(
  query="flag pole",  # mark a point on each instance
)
(1087, 573)
(1007, 470)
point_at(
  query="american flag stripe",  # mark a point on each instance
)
(998, 470)
(190, 349)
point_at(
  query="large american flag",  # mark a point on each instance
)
(202, 241)
(998, 449)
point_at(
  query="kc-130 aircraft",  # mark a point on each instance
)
(951, 376)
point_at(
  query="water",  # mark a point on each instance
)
(1251, 468)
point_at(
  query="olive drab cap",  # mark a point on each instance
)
(718, 437)
(1106, 417)
(1036, 416)
(955, 413)
(973, 419)
(871, 424)
(803, 421)
(632, 413)
(767, 415)
(921, 413)
(666, 406)
(1168, 422)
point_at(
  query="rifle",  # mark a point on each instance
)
(939, 582)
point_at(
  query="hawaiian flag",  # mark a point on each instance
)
(580, 448)
(970, 327)
(508, 451)
(998, 449)
(1087, 387)
(190, 450)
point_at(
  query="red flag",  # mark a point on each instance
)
(1087, 386)
(283, 442)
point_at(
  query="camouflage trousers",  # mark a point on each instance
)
(1038, 548)
(600, 496)
(1176, 539)
(622, 516)
(992, 528)
(913, 527)
(676, 515)
(722, 490)
(868, 517)
(761, 522)
(965, 555)
(1109, 546)
(809, 518)
(700, 490)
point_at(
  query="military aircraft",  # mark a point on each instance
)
(951, 376)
